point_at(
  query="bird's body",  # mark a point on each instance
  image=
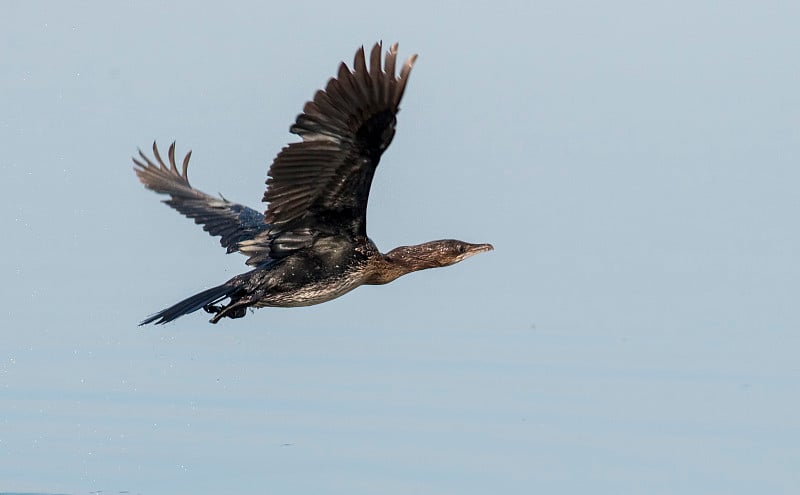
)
(311, 244)
(329, 269)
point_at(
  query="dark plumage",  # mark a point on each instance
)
(311, 245)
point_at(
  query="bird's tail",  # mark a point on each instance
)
(192, 304)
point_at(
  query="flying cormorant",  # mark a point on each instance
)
(311, 244)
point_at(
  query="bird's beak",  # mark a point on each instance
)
(477, 249)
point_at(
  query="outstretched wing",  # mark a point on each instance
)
(232, 222)
(321, 184)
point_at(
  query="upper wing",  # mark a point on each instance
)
(323, 182)
(320, 186)
(218, 216)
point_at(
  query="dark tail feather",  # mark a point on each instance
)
(192, 304)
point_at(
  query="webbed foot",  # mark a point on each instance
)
(231, 311)
(212, 309)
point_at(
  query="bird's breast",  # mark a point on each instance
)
(315, 291)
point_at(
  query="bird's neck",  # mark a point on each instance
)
(398, 262)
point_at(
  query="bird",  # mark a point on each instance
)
(310, 245)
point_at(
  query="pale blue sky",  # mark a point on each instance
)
(636, 330)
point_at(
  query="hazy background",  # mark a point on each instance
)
(636, 330)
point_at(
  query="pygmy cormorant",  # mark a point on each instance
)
(311, 244)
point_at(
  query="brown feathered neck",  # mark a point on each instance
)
(406, 259)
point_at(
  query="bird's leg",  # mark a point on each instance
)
(233, 310)
(212, 308)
